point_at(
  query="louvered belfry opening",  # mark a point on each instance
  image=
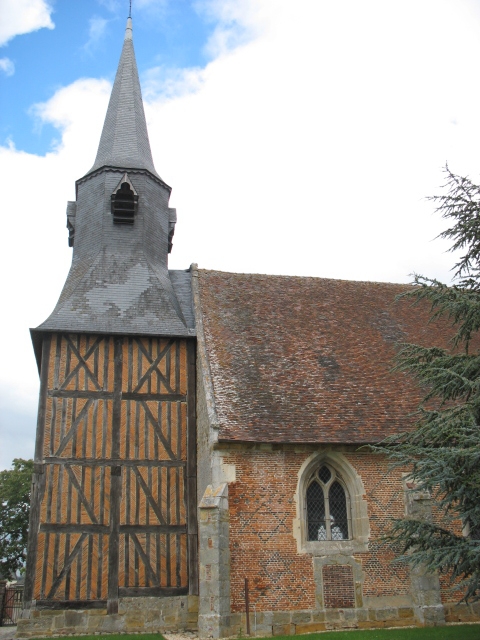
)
(328, 512)
(124, 205)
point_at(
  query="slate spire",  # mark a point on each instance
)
(120, 229)
(124, 141)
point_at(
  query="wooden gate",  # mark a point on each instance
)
(11, 604)
(114, 510)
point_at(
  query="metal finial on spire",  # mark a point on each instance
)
(130, 12)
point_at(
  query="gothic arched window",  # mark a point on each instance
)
(327, 502)
(331, 504)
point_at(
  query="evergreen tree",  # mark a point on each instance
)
(15, 489)
(443, 452)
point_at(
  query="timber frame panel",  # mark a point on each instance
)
(114, 487)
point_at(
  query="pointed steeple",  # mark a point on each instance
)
(124, 141)
(121, 228)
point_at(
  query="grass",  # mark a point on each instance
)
(455, 632)
(114, 636)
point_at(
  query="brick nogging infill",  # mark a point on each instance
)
(338, 587)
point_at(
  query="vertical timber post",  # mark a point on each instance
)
(115, 481)
(192, 526)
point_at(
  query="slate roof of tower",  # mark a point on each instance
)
(119, 282)
(309, 360)
(124, 142)
(126, 295)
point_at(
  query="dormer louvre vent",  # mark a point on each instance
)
(124, 202)
(71, 213)
(172, 219)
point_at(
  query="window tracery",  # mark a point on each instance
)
(332, 515)
(327, 506)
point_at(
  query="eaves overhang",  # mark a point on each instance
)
(122, 169)
(37, 335)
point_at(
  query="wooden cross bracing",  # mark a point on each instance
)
(112, 500)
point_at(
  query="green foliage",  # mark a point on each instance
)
(14, 511)
(443, 452)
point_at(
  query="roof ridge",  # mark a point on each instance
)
(300, 277)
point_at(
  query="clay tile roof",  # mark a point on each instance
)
(309, 360)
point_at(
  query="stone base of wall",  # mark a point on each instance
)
(462, 612)
(216, 626)
(163, 615)
(135, 615)
(276, 623)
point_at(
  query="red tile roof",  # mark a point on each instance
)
(308, 360)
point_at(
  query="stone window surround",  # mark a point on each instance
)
(358, 505)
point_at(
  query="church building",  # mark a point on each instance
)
(201, 458)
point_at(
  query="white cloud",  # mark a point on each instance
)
(235, 23)
(164, 84)
(110, 5)
(23, 16)
(309, 150)
(34, 241)
(96, 31)
(77, 111)
(7, 66)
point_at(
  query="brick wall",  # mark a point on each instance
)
(262, 547)
(338, 588)
(262, 544)
(384, 493)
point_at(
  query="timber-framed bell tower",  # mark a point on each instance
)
(114, 496)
